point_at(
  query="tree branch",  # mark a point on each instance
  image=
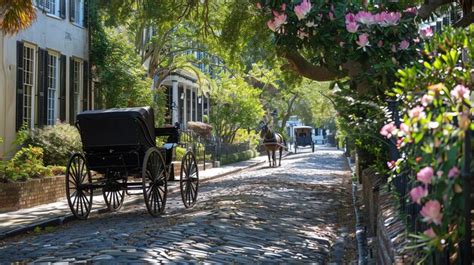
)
(465, 21)
(300, 65)
(429, 6)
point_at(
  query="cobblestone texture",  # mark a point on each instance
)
(295, 213)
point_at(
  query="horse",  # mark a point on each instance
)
(272, 141)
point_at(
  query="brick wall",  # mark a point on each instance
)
(15, 196)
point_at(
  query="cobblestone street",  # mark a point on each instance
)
(300, 212)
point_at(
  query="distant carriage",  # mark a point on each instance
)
(303, 137)
(119, 147)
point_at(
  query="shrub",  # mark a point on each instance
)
(237, 157)
(436, 115)
(26, 163)
(58, 142)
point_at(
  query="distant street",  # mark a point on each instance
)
(299, 212)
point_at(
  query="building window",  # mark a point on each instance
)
(28, 84)
(77, 86)
(78, 10)
(52, 89)
(49, 6)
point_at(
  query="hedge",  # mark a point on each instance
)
(237, 157)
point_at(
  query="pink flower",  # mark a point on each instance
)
(259, 6)
(363, 41)
(388, 130)
(417, 112)
(386, 19)
(427, 99)
(404, 45)
(413, 10)
(364, 17)
(453, 172)
(431, 212)
(303, 9)
(418, 193)
(380, 44)
(271, 25)
(425, 175)
(430, 233)
(302, 34)
(460, 92)
(331, 16)
(391, 164)
(350, 18)
(283, 7)
(352, 27)
(404, 128)
(426, 33)
(278, 20)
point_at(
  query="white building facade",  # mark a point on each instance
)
(44, 70)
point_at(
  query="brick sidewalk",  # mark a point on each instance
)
(57, 213)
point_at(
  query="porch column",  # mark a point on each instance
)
(202, 107)
(175, 102)
(185, 109)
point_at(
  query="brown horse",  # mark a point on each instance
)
(272, 141)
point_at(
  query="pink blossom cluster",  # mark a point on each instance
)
(426, 33)
(384, 19)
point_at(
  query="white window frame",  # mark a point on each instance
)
(53, 85)
(77, 85)
(29, 110)
(46, 6)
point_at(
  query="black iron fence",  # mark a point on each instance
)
(210, 149)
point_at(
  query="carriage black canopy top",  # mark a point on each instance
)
(117, 127)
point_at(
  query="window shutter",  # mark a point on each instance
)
(72, 10)
(71, 91)
(41, 87)
(62, 9)
(19, 84)
(62, 88)
(86, 13)
(85, 87)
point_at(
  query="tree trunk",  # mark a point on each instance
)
(287, 115)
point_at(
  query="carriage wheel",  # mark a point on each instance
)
(114, 195)
(189, 179)
(154, 175)
(78, 186)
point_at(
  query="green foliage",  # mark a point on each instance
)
(237, 157)
(58, 142)
(26, 163)
(235, 105)
(244, 135)
(180, 151)
(435, 119)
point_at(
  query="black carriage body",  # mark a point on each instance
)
(303, 135)
(116, 140)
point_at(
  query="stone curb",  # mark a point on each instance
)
(60, 220)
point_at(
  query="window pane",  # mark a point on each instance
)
(28, 74)
(52, 88)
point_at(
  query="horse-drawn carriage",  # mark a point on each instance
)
(303, 137)
(120, 155)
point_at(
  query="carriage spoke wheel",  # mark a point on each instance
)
(114, 195)
(79, 186)
(189, 179)
(154, 175)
